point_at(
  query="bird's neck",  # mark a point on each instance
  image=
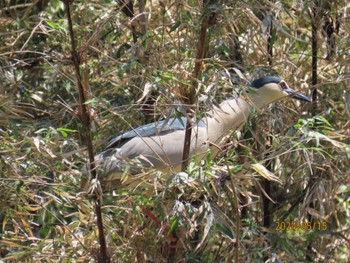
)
(230, 115)
(258, 100)
(255, 101)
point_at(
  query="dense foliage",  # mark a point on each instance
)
(135, 64)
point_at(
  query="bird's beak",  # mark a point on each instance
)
(297, 95)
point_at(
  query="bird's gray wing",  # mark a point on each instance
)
(147, 130)
(155, 145)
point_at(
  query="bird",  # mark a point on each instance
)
(128, 158)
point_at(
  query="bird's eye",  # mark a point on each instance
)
(283, 85)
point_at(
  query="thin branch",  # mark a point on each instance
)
(32, 34)
(236, 208)
(12, 7)
(85, 119)
(209, 18)
(314, 15)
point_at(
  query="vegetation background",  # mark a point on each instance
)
(289, 163)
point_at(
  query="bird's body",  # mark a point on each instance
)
(160, 145)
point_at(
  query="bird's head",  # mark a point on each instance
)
(272, 88)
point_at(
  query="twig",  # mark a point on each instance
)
(314, 15)
(208, 20)
(85, 119)
(32, 34)
(235, 205)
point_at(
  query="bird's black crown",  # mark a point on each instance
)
(258, 83)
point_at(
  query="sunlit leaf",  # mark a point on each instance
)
(260, 169)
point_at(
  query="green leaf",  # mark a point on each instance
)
(53, 25)
(174, 225)
(175, 26)
(125, 173)
(65, 131)
(92, 102)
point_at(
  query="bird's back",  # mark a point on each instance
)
(161, 150)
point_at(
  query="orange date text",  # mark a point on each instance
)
(305, 226)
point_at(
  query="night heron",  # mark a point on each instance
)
(159, 145)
